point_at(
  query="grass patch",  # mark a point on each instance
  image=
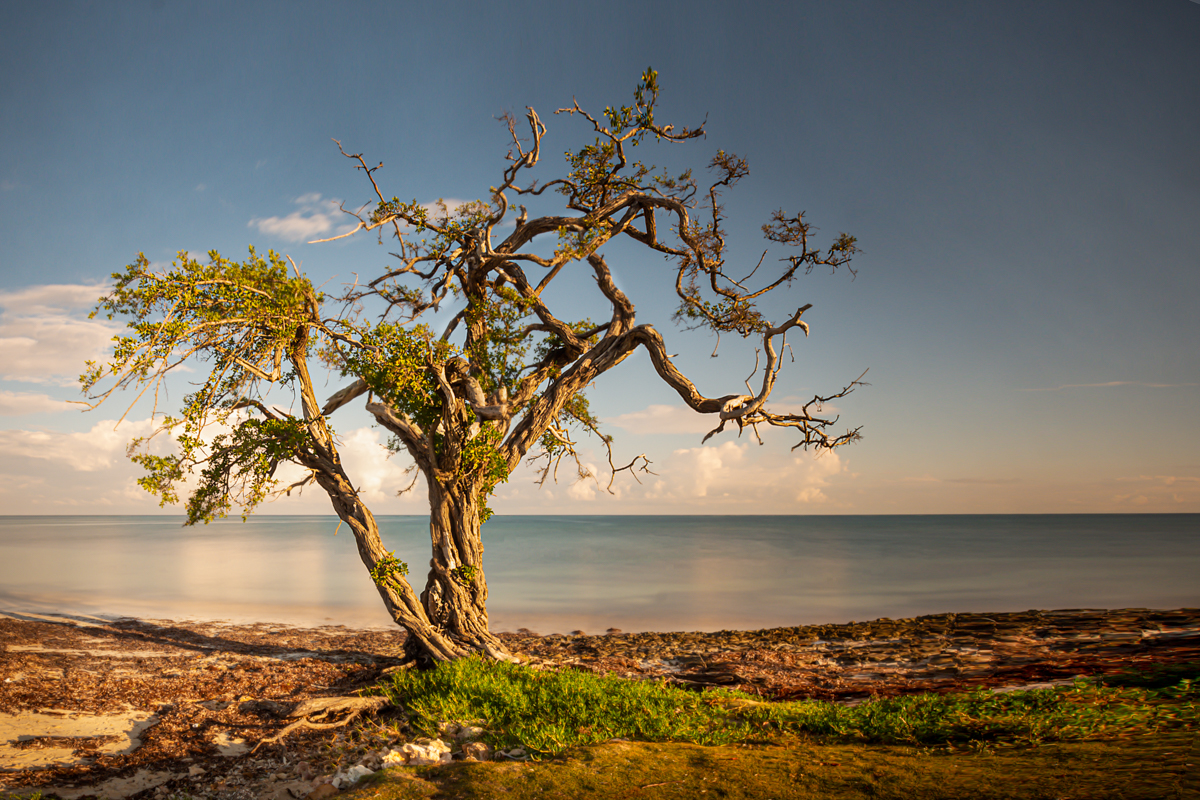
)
(551, 712)
(548, 712)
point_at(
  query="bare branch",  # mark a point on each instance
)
(343, 396)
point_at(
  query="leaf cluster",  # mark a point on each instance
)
(249, 322)
(398, 365)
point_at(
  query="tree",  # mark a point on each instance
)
(503, 381)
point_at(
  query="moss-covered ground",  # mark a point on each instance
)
(1158, 766)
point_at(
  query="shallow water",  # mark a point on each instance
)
(634, 573)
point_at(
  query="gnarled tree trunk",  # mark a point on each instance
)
(449, 619)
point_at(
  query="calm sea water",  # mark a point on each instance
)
(591, 573)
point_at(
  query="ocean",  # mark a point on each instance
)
(563, 573)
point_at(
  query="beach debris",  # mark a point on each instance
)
(843, 663)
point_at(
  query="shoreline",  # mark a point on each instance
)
(86, 701)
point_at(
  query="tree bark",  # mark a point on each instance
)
(449, 619)
(455, 595)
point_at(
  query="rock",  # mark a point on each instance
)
(322, 792)
(287, 790)
(351, 776)
(477, 751)
(415, 755)
(468, 732)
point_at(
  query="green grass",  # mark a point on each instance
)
(547, 712)
(550, 712)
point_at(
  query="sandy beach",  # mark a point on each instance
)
(114, 708)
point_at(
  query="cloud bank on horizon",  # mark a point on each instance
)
(67, 462)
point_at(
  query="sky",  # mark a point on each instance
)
(1023, 179)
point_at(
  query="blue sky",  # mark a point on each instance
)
(1023, 179)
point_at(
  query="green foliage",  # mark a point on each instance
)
(1170, 677)
(449, 227)
(387, 567)
(237, 313)
(398, 364)
(600, 172)
(240, 468)
(981, 718)
(464, 573)
(495, 346)
(482, 457)
(247, 319)
(552, 711)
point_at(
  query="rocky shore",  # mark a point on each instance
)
(153, 708)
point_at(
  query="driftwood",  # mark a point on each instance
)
(319, 708)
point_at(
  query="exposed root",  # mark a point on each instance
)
(320, 708)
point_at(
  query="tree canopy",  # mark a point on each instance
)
(502, 381)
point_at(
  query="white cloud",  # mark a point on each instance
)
(1166, 480)
(16, 403)
(376, 476)
(697, 469)
(90, 471)
(52, 298)
(319, 218)
(314, 218)
(664, 419)
(740, 476)
(45, 335)
(584, 489)
(731, 477)
(99, 448)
